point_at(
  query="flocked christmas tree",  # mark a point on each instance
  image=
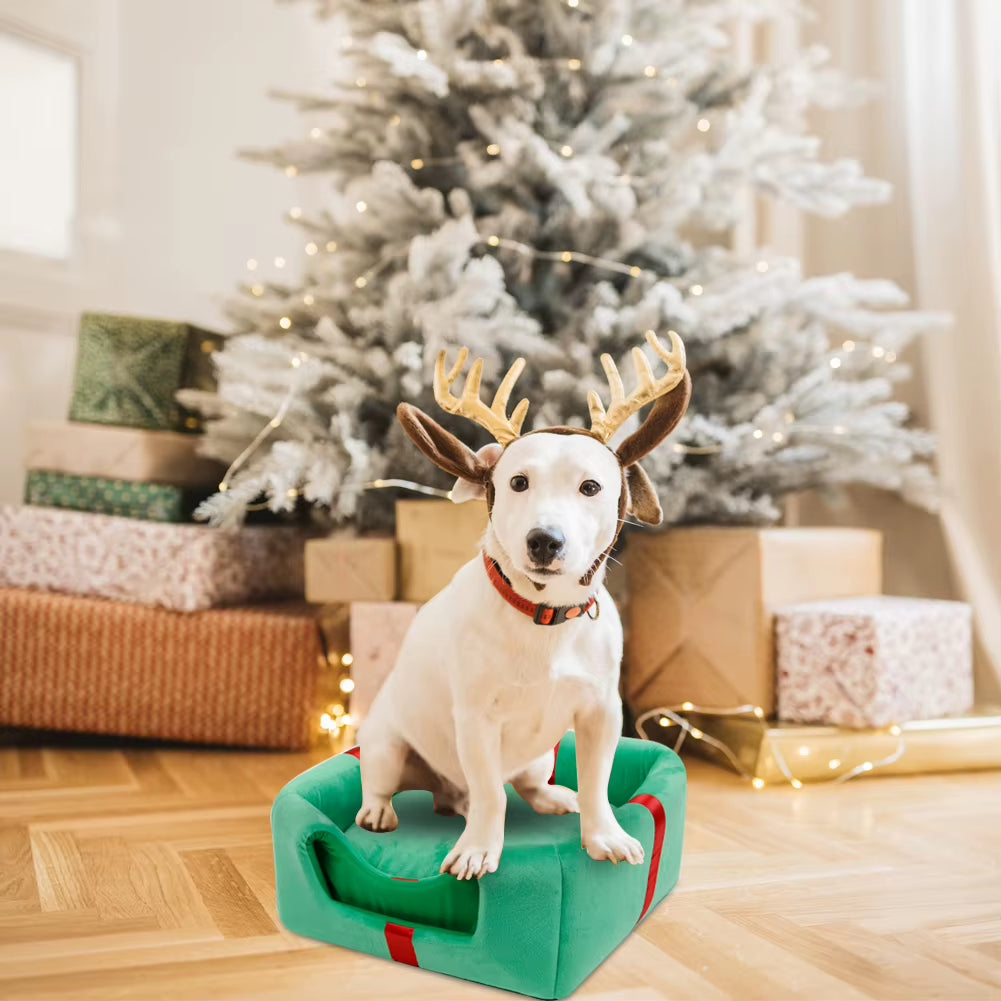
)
(553, 178)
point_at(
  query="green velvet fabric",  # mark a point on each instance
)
(540, 925)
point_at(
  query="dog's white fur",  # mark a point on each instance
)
(480, 694)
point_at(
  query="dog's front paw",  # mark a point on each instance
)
(609, 841)
(473, 857)
(377, 815)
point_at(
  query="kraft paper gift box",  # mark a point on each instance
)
(699, 623)
(129, 369)
(125, 498)
(377, 631)
(240, 676)
(435, 539)
(872, 662)
(181, 567)
(344, 568)
(119, 453)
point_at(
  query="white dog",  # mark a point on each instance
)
(488, 678)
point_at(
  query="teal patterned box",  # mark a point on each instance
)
(129, 369)
(125, 498)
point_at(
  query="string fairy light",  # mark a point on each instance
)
(667, 716)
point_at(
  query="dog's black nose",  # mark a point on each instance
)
(545, 544)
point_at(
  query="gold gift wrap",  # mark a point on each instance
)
(822, 753)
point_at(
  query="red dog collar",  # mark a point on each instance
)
(543, 615)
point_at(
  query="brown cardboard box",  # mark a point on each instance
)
(344, 568)
(701, 604)
(435, 538)
(119, 453)
(377, 631)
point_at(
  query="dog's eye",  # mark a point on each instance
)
(519, 483)
(590, 487)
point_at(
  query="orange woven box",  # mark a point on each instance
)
(238, 676)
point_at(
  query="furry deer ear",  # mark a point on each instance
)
(643, 503)
(465, 490)
(661, 421)
(441, 446)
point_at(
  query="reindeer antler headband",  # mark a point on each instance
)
(604, 424)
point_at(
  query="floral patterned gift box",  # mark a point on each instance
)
(875, 661)
(181, 567)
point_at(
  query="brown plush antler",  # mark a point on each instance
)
(494, 418)
(605, 424)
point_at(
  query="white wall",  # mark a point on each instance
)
(169, 214)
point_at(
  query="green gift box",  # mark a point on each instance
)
(128, 371)
(97, 495)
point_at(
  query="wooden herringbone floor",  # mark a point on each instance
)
(133, 872)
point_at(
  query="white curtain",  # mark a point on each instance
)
(951, 94)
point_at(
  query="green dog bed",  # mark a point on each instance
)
(540, 925)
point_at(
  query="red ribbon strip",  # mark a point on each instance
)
(400, 940)
(659, 827)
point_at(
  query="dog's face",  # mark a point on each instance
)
(556, 503)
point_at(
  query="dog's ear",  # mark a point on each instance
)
(643, 503)
(442, 447)
(660, 422)
(464, 490)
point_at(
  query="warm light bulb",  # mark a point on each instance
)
(664, 721)
(251, 265)
(291, 171)
(257, 290)
(696, 290)
(703, 125)
(347, 720)
(308, 299)
(890, 357)
(635, 272)
(757, 433)
(803, 751)
(878, 352)
(494, 241)
(796, 784)
(687, 706)
(778, 437)
(279, 262)
(573, 64)
(627, 39)
(650, 71)
(834, 763)
(361, 206)
(761, 267)
(422, 54)
(292, 493)
(493, 149)
(835, 363)
(696, 733)
(285, 322)
(758, 783)
(573, 3)
(867, 766)
(759, 712)
(315, 133)
(311, 248)
(347, 659)
(566, 151)
(361, 281)
(566, 257)
(848, 346)
(295, 212)
(331, 246)
(895, 731)
(417, 163)
(346, 685)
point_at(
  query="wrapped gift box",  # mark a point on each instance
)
(435, 539)
(98, 495)
(870, 662)
(377, 631)
(699, 623)
(181, 567)
(241, 676)
(119, 453)
(128, 370)
(768, 751)
(344, 568)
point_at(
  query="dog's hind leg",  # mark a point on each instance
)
(532, 785)
(383, 759)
